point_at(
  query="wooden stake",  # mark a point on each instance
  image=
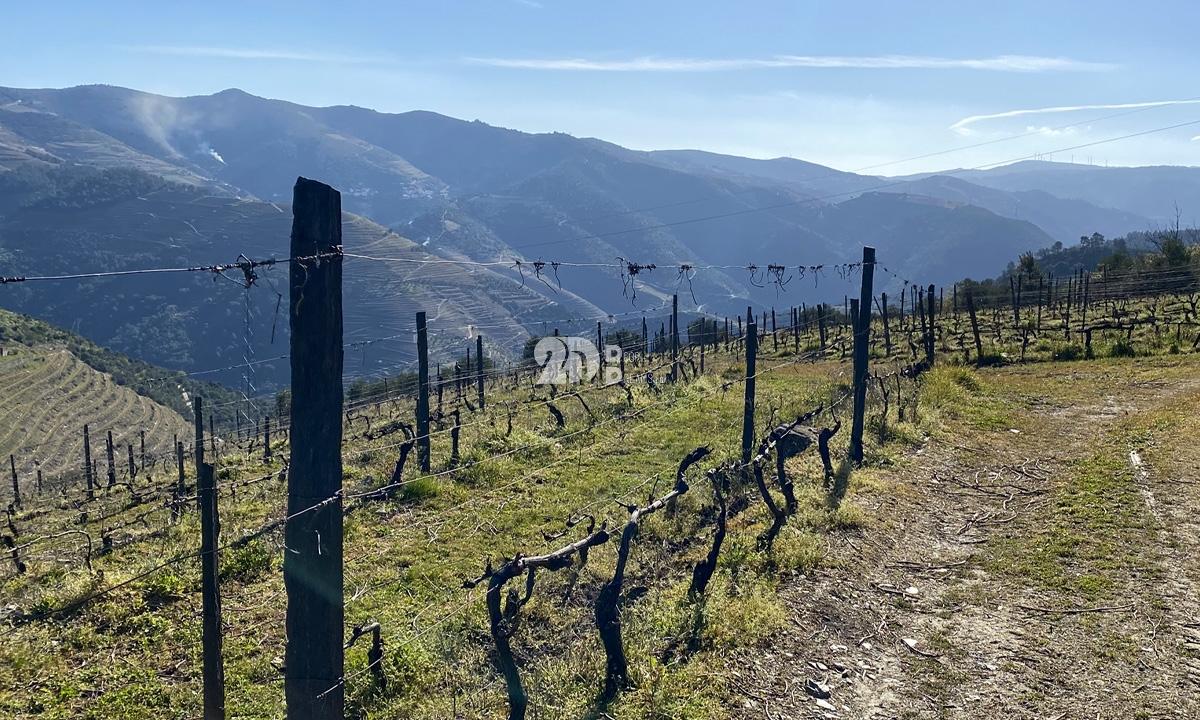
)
(862, 341)
(87, 463)
(210, 532)
(312, 566)
(748, 407)
(479, 374)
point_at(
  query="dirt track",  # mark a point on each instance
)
(1041, 567)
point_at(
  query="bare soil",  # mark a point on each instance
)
(1044, 569)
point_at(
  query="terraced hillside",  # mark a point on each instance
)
(48, 394)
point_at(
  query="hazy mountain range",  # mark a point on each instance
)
(100, 177)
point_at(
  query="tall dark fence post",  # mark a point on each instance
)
(862, 341)
(479, 375)
(822, 310)
(748, 409)
(887, 333)
(975, 327)
(674, 338)
(600, 350)
(210, 530)
(12, 464)
(87, 463)
(423, 393)
(312, 566)
(267, 438)
(112, 462)
(180, 484)
(142, 449)
(931, 341)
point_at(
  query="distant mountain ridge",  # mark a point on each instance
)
(423, 186)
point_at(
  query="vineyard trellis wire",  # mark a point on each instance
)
(852, 329)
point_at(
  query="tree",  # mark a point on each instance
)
(1027, 265)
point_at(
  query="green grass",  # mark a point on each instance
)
(1080, 548)
(406, 559)
(134, 653)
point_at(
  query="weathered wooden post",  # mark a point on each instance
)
(975, 327)
(112, 463)
(312, 566)
(87, 463)
(883, 315)
(774, 331)
(1083, 306)
(674, 338)
(931, 340)
(16, 486)
(748, 408)
(180, 484)
(423, 393)
(479, 375)
(210, 530)
(1070, 293)
(142, 449)
(600, 351)
(822, 310)
(267, 439)
(796, 329)
(862, 339)
(132, 466)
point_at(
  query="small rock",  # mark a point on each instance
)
(824, 705)
(816, 689)
(911, 590)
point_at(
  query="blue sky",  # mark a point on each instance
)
(846, 84)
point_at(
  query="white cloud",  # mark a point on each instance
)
(1003, 63)
(1048, 131)
(963, 126)
(1196, 138)
(251, 54)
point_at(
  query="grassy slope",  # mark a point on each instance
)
(406, 559)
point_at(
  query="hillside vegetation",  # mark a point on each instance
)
(53, 384)
(872, 595)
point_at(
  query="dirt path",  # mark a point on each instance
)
(1022, 567)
